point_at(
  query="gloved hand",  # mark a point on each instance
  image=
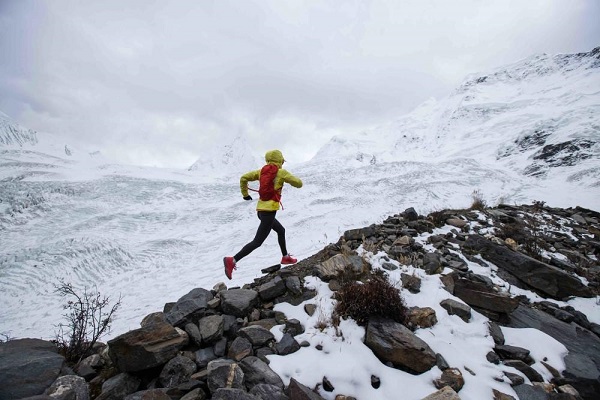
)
(248, 197)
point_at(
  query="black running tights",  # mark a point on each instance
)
(267, 222)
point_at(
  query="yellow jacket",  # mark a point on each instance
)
(283, 176)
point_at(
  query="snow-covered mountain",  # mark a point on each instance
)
(227, 159)
(152, 234)
(539, 117)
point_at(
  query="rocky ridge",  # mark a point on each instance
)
(214, 343)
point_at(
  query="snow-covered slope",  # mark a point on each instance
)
(152, 234)
(227, 159)
(539, 117)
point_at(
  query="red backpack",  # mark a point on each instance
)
(266, 190)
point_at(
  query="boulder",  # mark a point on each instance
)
(507, 352)
(224, 373)
(272, 289)
(459, 309)
(543, 278)
(239, 349)
(28, 367)
(446, 393)
(211, 329)
(238, 302)
(393, 342)
(582, 363)
(297, 391)
(338, 265)
(264, 391)
(293, 284)
(190, 307)
(204, 356)
(359, 234)
(432, 263)
(257, 371)
(147, 347)
(421, 317)
(287, 345)
(176, 371)
(195, 394)
(150, 394)
(451, 377)
(232, 394)
(119, 387)
(411, 283)
(69, 387)
(477, 294)
(257, 335)
(529, 372)
(89, 366)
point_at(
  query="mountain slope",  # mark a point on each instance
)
(539, 117)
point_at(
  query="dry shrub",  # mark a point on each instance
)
(478, 201)
(375, 297)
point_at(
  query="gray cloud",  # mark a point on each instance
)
(157, 83)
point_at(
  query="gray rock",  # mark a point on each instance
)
(459, 309)
(542, 277)
(264, 391)
(154, 318)
(232, 394)
(272, 289)
(263, 352)
(446, 393)
(239, 348)
(194, 333)
(411, 282)
(238, 302)
(310, 309)
(176, 371)
(150, 394)
(119, 386)
(257, 335)
(220, 348)
(441, 362)
(410, 214)
(28, 367)
(204, 356)
(515, 379)
(297, 391)
(507, 352)
(340, 264)
(432, 263)
(211, 329)
(293, 284)
(528, 392)
(583, 359)
(393, 342)
(293, 327)
(224, 374)
(529, 372)
(479, 295)
(195, 394)
(89, 366)
(189, 307)
(147, 347)
(69, 387)
(257, 371)
(359, 234)
(287, 345)
(492, 357)
(496, 333)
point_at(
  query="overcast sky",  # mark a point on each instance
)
(160, 82)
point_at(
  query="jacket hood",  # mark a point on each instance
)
(274, 157)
